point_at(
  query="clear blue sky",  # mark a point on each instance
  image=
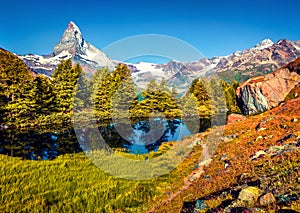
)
(214, 27)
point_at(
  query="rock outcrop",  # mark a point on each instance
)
(265, 92)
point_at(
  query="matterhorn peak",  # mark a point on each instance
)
(263, 44)
(73, 29)
(71, 41)
(73, 26)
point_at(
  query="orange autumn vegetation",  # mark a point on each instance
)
(274, 125)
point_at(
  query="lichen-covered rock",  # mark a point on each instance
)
(265, 92)
(248, 197)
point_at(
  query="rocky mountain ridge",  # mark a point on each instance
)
(263, 58)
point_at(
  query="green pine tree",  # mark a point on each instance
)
(43, 95)
(105, 92)
(15, 84)
(81, 98)
(65, 79)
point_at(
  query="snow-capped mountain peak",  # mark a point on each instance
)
(263, 44)
(71, 45)
(73, 26)
(71, 41)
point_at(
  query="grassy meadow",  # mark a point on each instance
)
(72, 183)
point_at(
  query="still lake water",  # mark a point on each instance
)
(44, 143)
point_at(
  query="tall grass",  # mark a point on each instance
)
(72, 183)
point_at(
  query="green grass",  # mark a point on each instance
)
(67, 184)
(72, 183)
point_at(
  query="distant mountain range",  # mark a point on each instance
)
(263, 58)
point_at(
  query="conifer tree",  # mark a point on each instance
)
(201, 90)
(15, 84)
(106, 91)
(217, 98)
(65, 80)
(157, 98)
(230, 95)
(189, 105)
(96, 82)
(81, 98)
(164, 86)
(124, 98)
(43, 96)
(174, 92)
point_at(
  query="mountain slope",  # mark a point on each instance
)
(264, 157)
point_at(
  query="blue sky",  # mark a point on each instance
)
(213, 27)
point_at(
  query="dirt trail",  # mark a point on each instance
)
(190, 178)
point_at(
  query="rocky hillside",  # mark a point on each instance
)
(265, 92)
(254, 169)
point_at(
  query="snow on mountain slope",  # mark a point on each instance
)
(72, 45)
(144, 72)
(296, 44)
(44, 64)
(263, 45)
(145, 66)
(260, 59)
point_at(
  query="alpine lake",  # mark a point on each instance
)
(48, 142)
